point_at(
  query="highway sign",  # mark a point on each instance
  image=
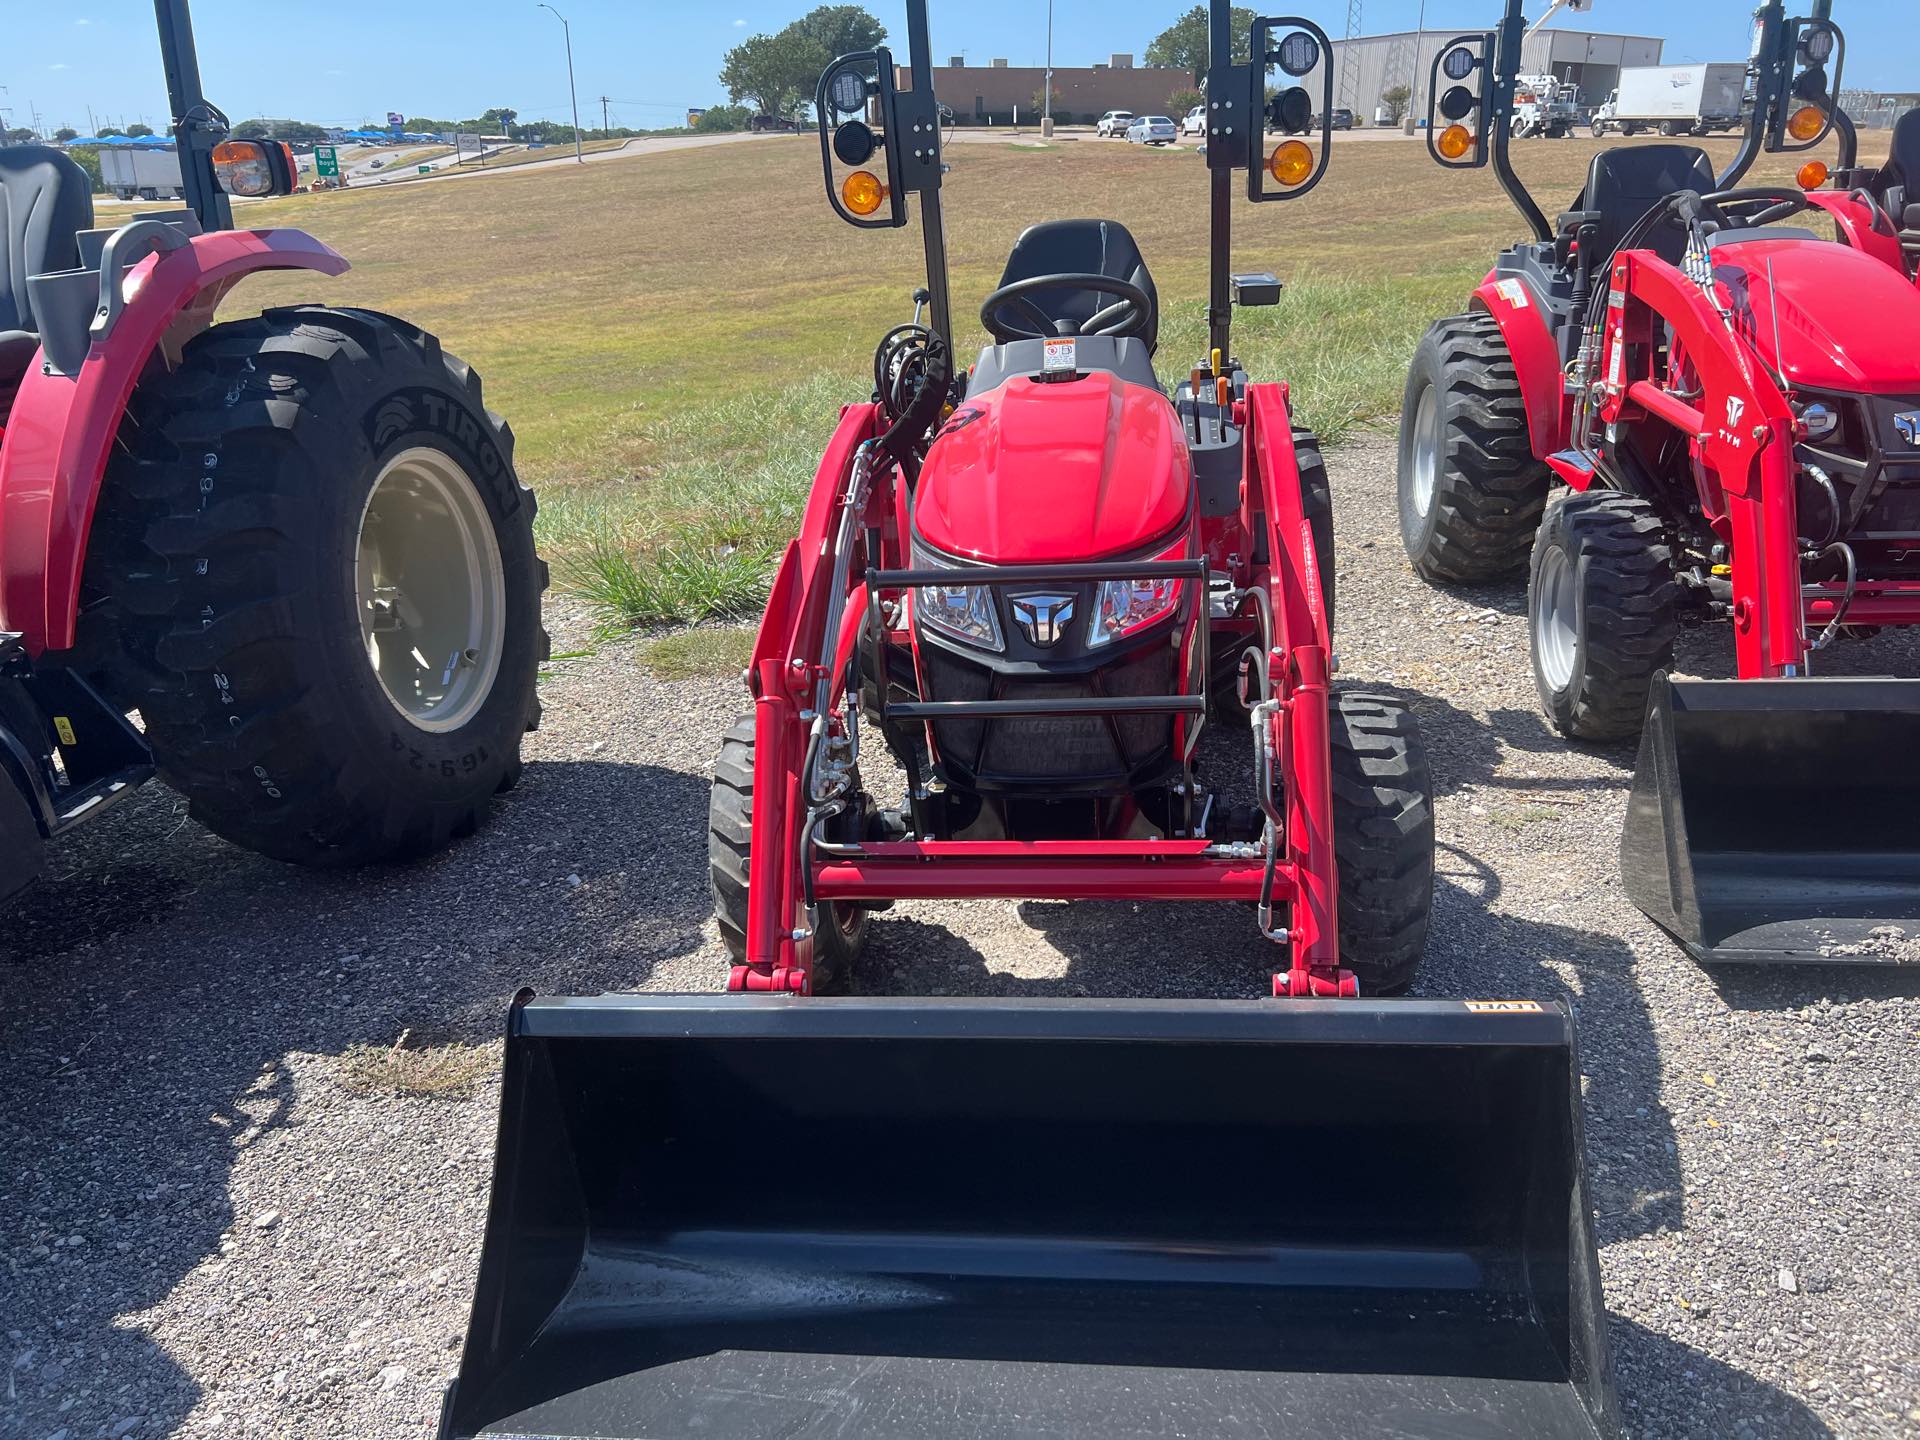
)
(326, 160)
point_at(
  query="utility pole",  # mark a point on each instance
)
(1046, 85)
(606, 125)
(568, 31)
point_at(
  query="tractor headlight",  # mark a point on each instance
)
(963, 611)
(1817, 421)
(1125, 607)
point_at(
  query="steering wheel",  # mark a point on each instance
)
(1130, 314)
(1734, 207)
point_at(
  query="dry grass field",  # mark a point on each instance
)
(671, 336)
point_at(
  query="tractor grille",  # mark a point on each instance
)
(1075, 749)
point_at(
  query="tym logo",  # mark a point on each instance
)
(1736, 407)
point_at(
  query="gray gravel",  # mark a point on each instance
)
(210, 1230)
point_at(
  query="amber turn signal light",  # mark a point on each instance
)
(1292, 162)
(862, 192)
(1813, 175)
(1807, 122)
(1454, 141)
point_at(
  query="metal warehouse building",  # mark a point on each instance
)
(1372, 64)
(982, 94)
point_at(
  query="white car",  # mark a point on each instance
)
(1195, 121)
(1114, 122)
(1152, 130)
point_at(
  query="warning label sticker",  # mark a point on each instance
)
(1514, 293)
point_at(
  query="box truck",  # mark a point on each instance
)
(1675, 100)
(137, 173)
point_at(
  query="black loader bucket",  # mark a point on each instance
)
(766, 1216)
(1779, 820)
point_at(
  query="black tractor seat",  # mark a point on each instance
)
(1081, 247)
(1124, 357)
(1624, 183)
(45, 201)
(1898, 185)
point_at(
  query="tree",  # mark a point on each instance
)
(138, 131)
(1037, 99)
(839, 30)
(105, 130)
(724, 117)
(777, 72)
(1396, 99)
(1181, 101)
(1183, 44)
(499, 118)
(65, 133)
(19, 135)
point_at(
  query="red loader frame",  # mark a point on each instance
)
(831, 576)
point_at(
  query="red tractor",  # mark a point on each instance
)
(1034, 581)
(772, 1213)
(283, 561)
(1694, 414)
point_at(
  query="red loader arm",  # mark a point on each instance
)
(785, 672)
(1294, 735)
(62, 427)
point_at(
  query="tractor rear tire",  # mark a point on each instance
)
(1602, 611)
(1470, 488)
(1383, 838)
(239, 565)
(843, 927)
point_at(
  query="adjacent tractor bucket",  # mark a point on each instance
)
(760, 1216)
(1775, 820)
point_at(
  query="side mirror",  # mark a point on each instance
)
(1298, 47)
(254, 168)
(1460, 91)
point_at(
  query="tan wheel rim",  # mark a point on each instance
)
(430, 589)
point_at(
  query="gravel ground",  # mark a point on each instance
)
(215, 1227)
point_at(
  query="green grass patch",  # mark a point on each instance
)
(690, 654)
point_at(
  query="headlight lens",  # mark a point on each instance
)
(963, 611)
(1123, 607)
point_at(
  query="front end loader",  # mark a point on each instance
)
(1308, 1212)
(1689, 413)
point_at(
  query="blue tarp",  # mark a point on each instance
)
(140, 142)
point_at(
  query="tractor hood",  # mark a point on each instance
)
(1032, 473)
(1840, 319)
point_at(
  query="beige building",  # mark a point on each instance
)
(990, 93)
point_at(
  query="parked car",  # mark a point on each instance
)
(1195, 121)
(1113, 123)
(1152, 130)
(1343, 119)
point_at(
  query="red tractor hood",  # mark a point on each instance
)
(1845, 320)
(1034, 473)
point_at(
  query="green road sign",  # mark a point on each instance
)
(326, 160)
(426, 169)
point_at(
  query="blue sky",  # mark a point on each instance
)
(342, 64)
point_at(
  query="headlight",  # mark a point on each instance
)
(1818, 421)
(1122, 607)
(963, 611)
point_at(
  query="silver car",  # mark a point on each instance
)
(1152, 130)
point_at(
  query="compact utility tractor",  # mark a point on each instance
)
(283, 561)
(1689, 413)
(781, 1213)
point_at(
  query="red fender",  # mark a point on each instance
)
(62, 428)
(1856, 227)
(1536, 360)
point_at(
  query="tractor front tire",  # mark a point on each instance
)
(1383, 838)
(1470, 489)
(843, 927)
(1602, 608)
(295, 514)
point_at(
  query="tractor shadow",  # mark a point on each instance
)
(143, 1058)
